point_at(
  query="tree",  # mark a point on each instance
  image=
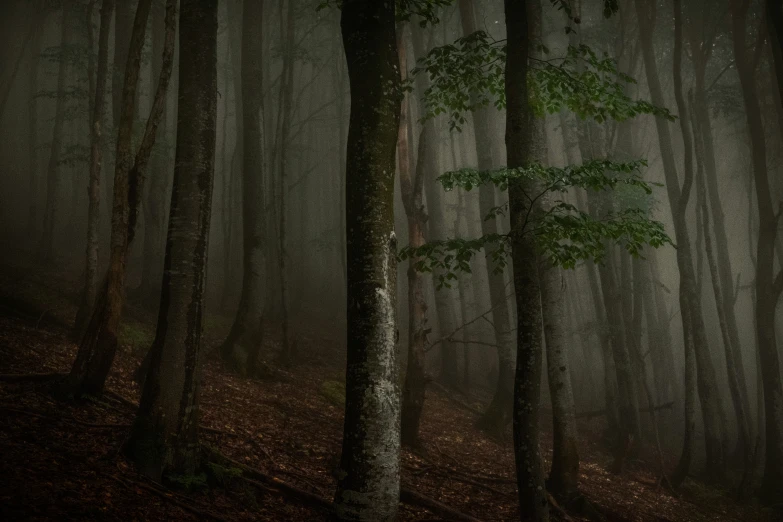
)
(690, 302)
(164, 435)
(769, 285)
(369, 483)
(94, 190)
(240, 349)
(775, 28)
(497, 416)
(533, 504)
(412, 190)
(99, 343)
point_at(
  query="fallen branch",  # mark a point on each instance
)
(167, 496)
(73, 420)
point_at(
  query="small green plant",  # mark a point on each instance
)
(194, 482)
(333, 392)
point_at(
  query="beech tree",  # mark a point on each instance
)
(99, 343)
(164, 435)
(240, 349)
(369, 482)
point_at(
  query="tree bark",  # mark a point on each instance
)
(369, 483)
(690, 302)
(243, 342)
(533, 502)
(155, 216)
(768, 286)
(164, 436)
(412, 191)
(123, 28)
(90, 290)
(563, 478)
(99, 344)
(775, 28)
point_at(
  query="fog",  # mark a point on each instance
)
(290, 271)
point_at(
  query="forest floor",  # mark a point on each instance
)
(61, 460)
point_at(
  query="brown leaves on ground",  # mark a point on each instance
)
(62, 461)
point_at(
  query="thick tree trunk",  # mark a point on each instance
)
(497, 416)
(768, 285)
(90, 290)
(53, 170)
(369, 483)
(690, 302)
(533, 503)
(164, 436)
(99, 344)
(243, 342)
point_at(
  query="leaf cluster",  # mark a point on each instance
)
(469, 74)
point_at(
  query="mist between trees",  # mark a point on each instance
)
(553, 212)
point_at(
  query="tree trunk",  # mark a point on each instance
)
(412, 190)
(164, 436)
(533, 503)
(563, 478)
(287, 354)
(243, 342)
(32, 143)
(53, 170)
(732, 371)
(768, 285)
(160, 185)
(94, 190)
(690, 302)
(123, 25)
(369, 484)
(498, 415)
(775, 28)
(99, 344)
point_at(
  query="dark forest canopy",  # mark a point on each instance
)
(391, 260)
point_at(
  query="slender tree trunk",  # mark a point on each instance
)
(90, 290)
(7, 85)
(243, 342)
(497, 416)
(533, 504)
(728, 292)
(123, 24)
(775, 28)
(412, 190)
(564, 476)
(287, 355)
(53, 170)
(99, 344)
(32, 143)
(369, 484)
(768, 286)
(155, 203)
(164, 436)
(690, 302)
